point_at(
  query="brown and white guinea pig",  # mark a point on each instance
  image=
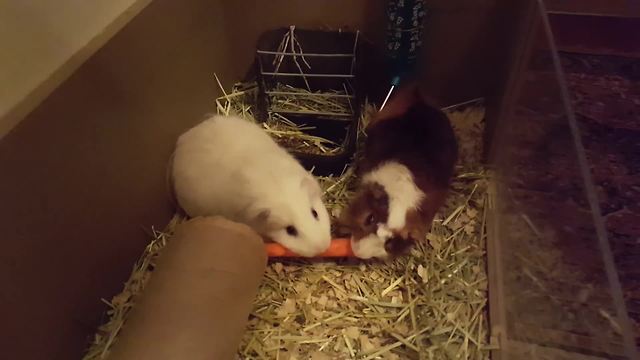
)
(404, 179)
(230, 167)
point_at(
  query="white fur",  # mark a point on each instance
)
(370, 246)
(404, 195)
(230, 167)
(384, 231)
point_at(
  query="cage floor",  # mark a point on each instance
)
(430, 304)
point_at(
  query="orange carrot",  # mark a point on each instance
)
(338, 248)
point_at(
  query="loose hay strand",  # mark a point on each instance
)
(243, 97)
(431, 302)
(286, 98)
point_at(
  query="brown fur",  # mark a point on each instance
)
(422, 140)
(370, 200)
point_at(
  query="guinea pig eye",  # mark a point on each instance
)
(314, 213)
(370, 220)
(292, 231)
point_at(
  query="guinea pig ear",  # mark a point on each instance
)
(311, 187)
(264, 219)
(262, 215)
(258, 218)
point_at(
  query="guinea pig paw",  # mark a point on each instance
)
(383, 231)
(368, 247)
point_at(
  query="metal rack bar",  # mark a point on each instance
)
(348, 76)
(309, 94)
(306, 112)
(355, 47)
(265, 52)
(472, 101)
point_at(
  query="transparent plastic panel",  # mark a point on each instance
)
(559, 299)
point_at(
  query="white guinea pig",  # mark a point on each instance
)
(230, 167)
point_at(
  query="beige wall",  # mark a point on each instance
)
(42, 42)
(83, 175)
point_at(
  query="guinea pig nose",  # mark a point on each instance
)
(397, 245)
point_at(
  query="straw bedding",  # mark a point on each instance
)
(431, 304)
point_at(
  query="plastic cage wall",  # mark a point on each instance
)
(554, 290)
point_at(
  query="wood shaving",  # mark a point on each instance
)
(431, 304)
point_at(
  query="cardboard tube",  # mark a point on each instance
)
(198, 299)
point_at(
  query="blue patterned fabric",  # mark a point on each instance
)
(404, 29)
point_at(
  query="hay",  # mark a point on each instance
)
(430, 304)
(121, 304)
(242, 100)
(287, 98)
(288, 104)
